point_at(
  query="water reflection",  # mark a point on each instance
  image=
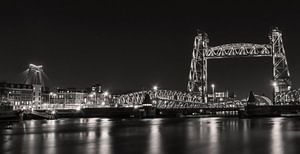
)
(276, 145)
(105, 139)
(213, 136)
(152, 136)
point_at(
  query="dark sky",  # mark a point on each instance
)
(126, 45)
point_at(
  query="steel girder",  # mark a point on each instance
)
(238, 50)
(165, 99)
(197, 83)
(160, 99)
(281, 74)
(198, 72)
(291, 96)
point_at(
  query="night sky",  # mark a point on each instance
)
(131, 46)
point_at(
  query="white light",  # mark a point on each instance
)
(103, 103)
(155, 88)
(53, 112)
(78, 108)
(274, 84)
(106, 93)
(212, 85)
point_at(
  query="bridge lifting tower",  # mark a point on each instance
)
(281, 74)
(197, 83)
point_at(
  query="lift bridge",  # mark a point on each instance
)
(196, 95)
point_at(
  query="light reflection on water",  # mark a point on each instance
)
(213, 136)
(276, 135)
(152, 136)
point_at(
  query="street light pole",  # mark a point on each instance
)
(155, 88)
(213, 92)
(105, 98)
(96, 99)
(274, 92)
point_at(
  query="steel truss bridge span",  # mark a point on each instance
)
(160, 99)
(202, 52)
(239, 50)
(164, 99)
(196, 97)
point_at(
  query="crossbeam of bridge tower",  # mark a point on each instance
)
(197, 83)
(281, 74)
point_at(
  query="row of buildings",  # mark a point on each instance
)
(34, 96)
(27, 97)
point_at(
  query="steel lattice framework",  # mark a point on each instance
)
(197, 83)
(161, 99)
(166, 99)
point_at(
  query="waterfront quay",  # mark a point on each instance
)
(25, 101)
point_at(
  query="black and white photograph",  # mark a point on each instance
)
(149, 77)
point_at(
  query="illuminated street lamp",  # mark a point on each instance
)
(8, 99)
(155, 88)
(274, 84)
(50, 94)
(106, 93)
(91, 95)
(213, 92)
(53, 95)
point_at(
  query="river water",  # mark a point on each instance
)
(152, 136)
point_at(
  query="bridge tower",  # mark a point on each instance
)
(281, 74)
(197, 83)
(34, 75)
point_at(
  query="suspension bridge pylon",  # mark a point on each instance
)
(34, 75)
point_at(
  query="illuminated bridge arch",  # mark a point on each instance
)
(263, 100)
(197, 83)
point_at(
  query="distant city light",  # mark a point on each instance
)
(53, 112)
(106, 93)
(155, 88)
